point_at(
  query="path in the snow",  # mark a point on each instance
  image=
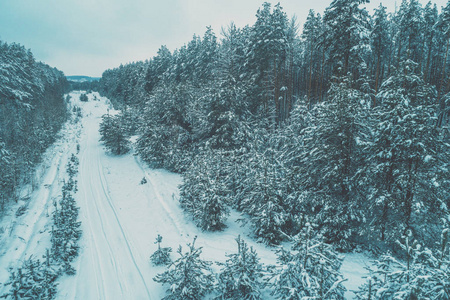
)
(107, 267)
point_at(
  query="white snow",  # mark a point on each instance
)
(354, 270)
(120, 220)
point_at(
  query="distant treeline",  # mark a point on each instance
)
(89, 85)
(32, 110)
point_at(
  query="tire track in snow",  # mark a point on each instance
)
(127, 242)
(160, 199)
(94, 253)
(108, 267)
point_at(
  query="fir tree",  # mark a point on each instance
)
(420, 274)
(162, 255)
(113, 134)
(33, 280)
(406, 159)
(204, 195)
(189, 277)
(309, 271)
(241, 275)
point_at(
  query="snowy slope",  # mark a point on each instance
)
(120, 220)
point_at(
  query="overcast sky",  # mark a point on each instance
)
(86, 37)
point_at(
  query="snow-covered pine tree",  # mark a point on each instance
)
(65, 232)
(7, 184)
(166, 129)
(189, 277)
(309, 271)
(419, 273)
(406, 160)
(162, 255)
(66, 229)
(380, 43)
(263, 199)
(33, 280)
(241, 275)
(346, 35)
(203, 193)
(113, 134)
(330, 160)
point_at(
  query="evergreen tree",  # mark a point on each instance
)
(346, 35)
(113, 134)
(312, 29)
(204, 195)
(188, 277)
(421, 274)
(380, 37)
(241, 275)
(162, 255)
(309, 271)
(407, 159)
(330, 159)
(34, 280)
(263, 196)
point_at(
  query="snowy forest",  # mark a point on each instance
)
(32, 110)
(344, 126)
(319, 142)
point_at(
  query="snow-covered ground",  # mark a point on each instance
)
(120, 220)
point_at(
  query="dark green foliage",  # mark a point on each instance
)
(66, 228)
(87, 85)
(114, 135)
(84, 97)
(189, 277)
(32, 110)
(162, 255)
(309, 271)
(241, 275)
(407, 159)
(421, 273)
(34, 280)
(329, 160)
(336, 125)
(263, 196)
(203, 193)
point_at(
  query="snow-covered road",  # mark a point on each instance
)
(108, 267)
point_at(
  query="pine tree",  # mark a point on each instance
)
(204, 195)
(241, 275)
(162, 255)
(329, 162)
(188, 277)
(33, 280)
(346, 35)
(263, 196)
(380, 37)
(309, 271)
(420, 274)
(113, 134)
(407, 159)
